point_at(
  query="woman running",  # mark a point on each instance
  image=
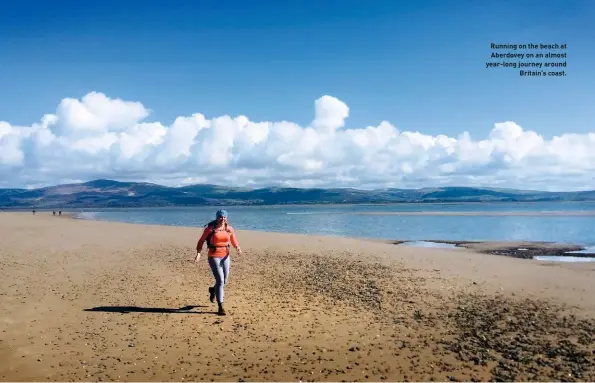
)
(218, 235)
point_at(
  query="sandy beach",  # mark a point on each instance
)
(86, 300)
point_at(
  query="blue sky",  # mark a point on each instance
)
(103, 72)
(417, 64)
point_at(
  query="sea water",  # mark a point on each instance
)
(378, 222)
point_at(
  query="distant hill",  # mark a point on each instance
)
(108, 193)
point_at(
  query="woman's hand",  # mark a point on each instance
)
(239, 250)
(197, 256)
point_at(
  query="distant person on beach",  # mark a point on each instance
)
(33, 212)
(60, 212)
(218, 235)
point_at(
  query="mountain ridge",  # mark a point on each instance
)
(103, 193)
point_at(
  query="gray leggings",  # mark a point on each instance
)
(220, 268)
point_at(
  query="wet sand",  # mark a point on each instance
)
(515, 249)
(85, 300)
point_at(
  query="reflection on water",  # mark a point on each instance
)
(586, 250)
(554, 258)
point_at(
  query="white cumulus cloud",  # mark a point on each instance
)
(103, 137)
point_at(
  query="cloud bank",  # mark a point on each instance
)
(102, 137)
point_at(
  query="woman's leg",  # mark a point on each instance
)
(225, 263)
(220, 268)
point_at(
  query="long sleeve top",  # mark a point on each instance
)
(219, 241)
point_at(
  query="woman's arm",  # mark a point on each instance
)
(234, 241)
(201, 241)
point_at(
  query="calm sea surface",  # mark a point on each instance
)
(345, 221)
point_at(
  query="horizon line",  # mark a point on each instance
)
(493, 188)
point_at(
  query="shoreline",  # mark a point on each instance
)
(98, 300)
(331, 205)
(508, 248)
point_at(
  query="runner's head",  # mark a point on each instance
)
(221, 215)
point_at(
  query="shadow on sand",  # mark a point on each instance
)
(135, 309)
